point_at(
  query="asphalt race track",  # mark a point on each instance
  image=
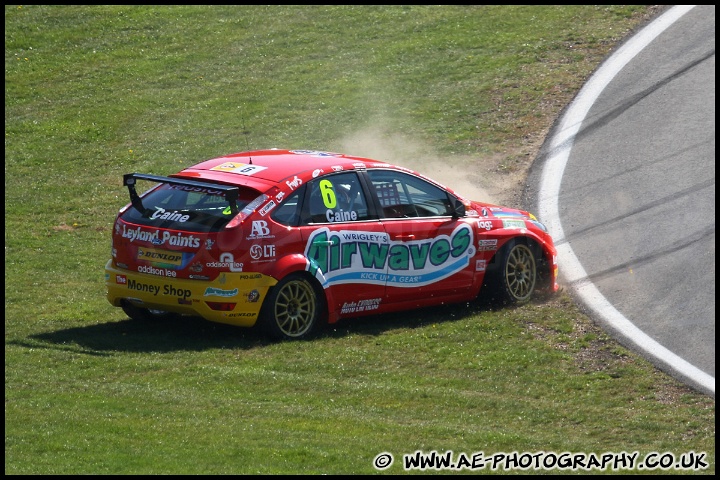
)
(626, 185)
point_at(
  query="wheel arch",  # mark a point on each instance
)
(299, 264)
(493, 285)
(543, 259)
(543, 255)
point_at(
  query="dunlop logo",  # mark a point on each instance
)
(155, 255)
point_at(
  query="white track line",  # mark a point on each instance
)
(552, 174)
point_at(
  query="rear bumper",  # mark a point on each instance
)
(232, 298)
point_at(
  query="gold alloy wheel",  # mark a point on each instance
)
(520, 272)
(295, 308)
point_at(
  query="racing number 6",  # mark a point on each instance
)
(328, 194)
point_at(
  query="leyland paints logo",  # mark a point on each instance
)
(371, 257)
(174, 239)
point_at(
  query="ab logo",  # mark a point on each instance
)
(260, 229)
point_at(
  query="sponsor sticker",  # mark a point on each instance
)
(240, 315)
(294, 183)
(260, 229)
(239, 168)
(172, 239)
(267, 207)
(370, 257)
(227, 260)
(252, 296)
(262, 253)
(219, 292)
(361, 305)
(486, 224)
(157, 256)
(513, 224)
(162, 272)
(487, 245)
(174, 216)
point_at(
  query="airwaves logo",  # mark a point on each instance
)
(368, 257)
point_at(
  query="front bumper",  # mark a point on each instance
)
(232, 298)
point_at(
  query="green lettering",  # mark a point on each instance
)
(335, 252)
(460, 242)
(419, 254)
(317, 253)
(399, 258)
(348, 250)
(373, 255)
(439, 252)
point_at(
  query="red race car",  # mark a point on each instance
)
(293, 239)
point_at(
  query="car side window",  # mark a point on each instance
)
(336, 198)
(403, 196)
(288, 213)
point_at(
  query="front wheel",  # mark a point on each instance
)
(519, 273)
(293, 308)
(515, 274)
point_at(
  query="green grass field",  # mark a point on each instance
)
(462, 93)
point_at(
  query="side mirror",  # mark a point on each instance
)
(458, 208)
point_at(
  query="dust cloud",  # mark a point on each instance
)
(464, 175)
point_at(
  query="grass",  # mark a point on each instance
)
(92, 92)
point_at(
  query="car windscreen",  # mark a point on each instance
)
(190, 208)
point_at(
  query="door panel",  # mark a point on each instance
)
(347, 248)
(430, 250)
(429, 258)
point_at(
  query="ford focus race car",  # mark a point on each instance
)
(289, 240)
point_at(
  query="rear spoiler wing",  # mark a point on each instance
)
(231, 193)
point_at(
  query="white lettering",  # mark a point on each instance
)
(227, 259)
(179, 241)
(340, 216)
(259, 228)
(163, 272)
(154, 237)
(162, 214)
(296, 182)
(486, 224)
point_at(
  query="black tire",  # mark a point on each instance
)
(144, 314)
(515, 274)
(293, 308)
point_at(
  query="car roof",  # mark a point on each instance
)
(262, 169)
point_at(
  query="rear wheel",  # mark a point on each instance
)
(144, 314)
(293, 308)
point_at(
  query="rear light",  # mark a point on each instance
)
(247, 211)
(221, 306)
(237, 220)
